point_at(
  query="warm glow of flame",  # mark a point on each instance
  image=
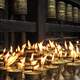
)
(59, 47)
(77, 42)
(51, 44)
(18, 49)
(52, 57)
(43, 59)
(71, 47)
(60, 53)
(34, 62)
(36, 67)
(1, 55)
(73, 52)
(77, 50)
(6, 56)
(29, 45)
(4, 50)
(11, 49)
(65, 44)
(13, 54)
(32, 57)
(21, 64)
(24, 46)
(35, 46)
(11, 60)
(40, 45)
(23, 60)
(59, 50)
(56, 51)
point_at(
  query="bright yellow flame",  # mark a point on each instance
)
(77, 42)
(32, 57)
(65, 44)
(6, 56)
(11, 49)
(18, 49)
(73, 52)
(77, 49)
(1, 55)
(40, 45)
(21, 64)
(13, 54)
(24, 46)
(29, 45)
(36, 67)
(11, 60)
(34, 62)
(59, 47)
(43, 59)
(23, 60)
(51, 44)
(71, 47)
(4, 50)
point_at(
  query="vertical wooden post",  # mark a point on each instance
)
(6, 44)
(41, 19)
(23, 37)
(13, 38)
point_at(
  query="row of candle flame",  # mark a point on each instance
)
(52, 49)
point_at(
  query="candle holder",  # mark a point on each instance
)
(32, 75)
(61, 64)
(2, 73)
(72, 71)
(14, 74)
(43, 71)
(52, 72)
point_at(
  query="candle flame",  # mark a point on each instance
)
(11, 60)
(4, 50)
(6, 56)
(65, 44)
(36, 67)
(32, 57)
(71, 47)
(18, 49)
(21, 64)
(43, 59)
(51, 44)
(29, 45)
(73, 52)
(40, 45)
(34, 62)
(11, 49)
(24, 46)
